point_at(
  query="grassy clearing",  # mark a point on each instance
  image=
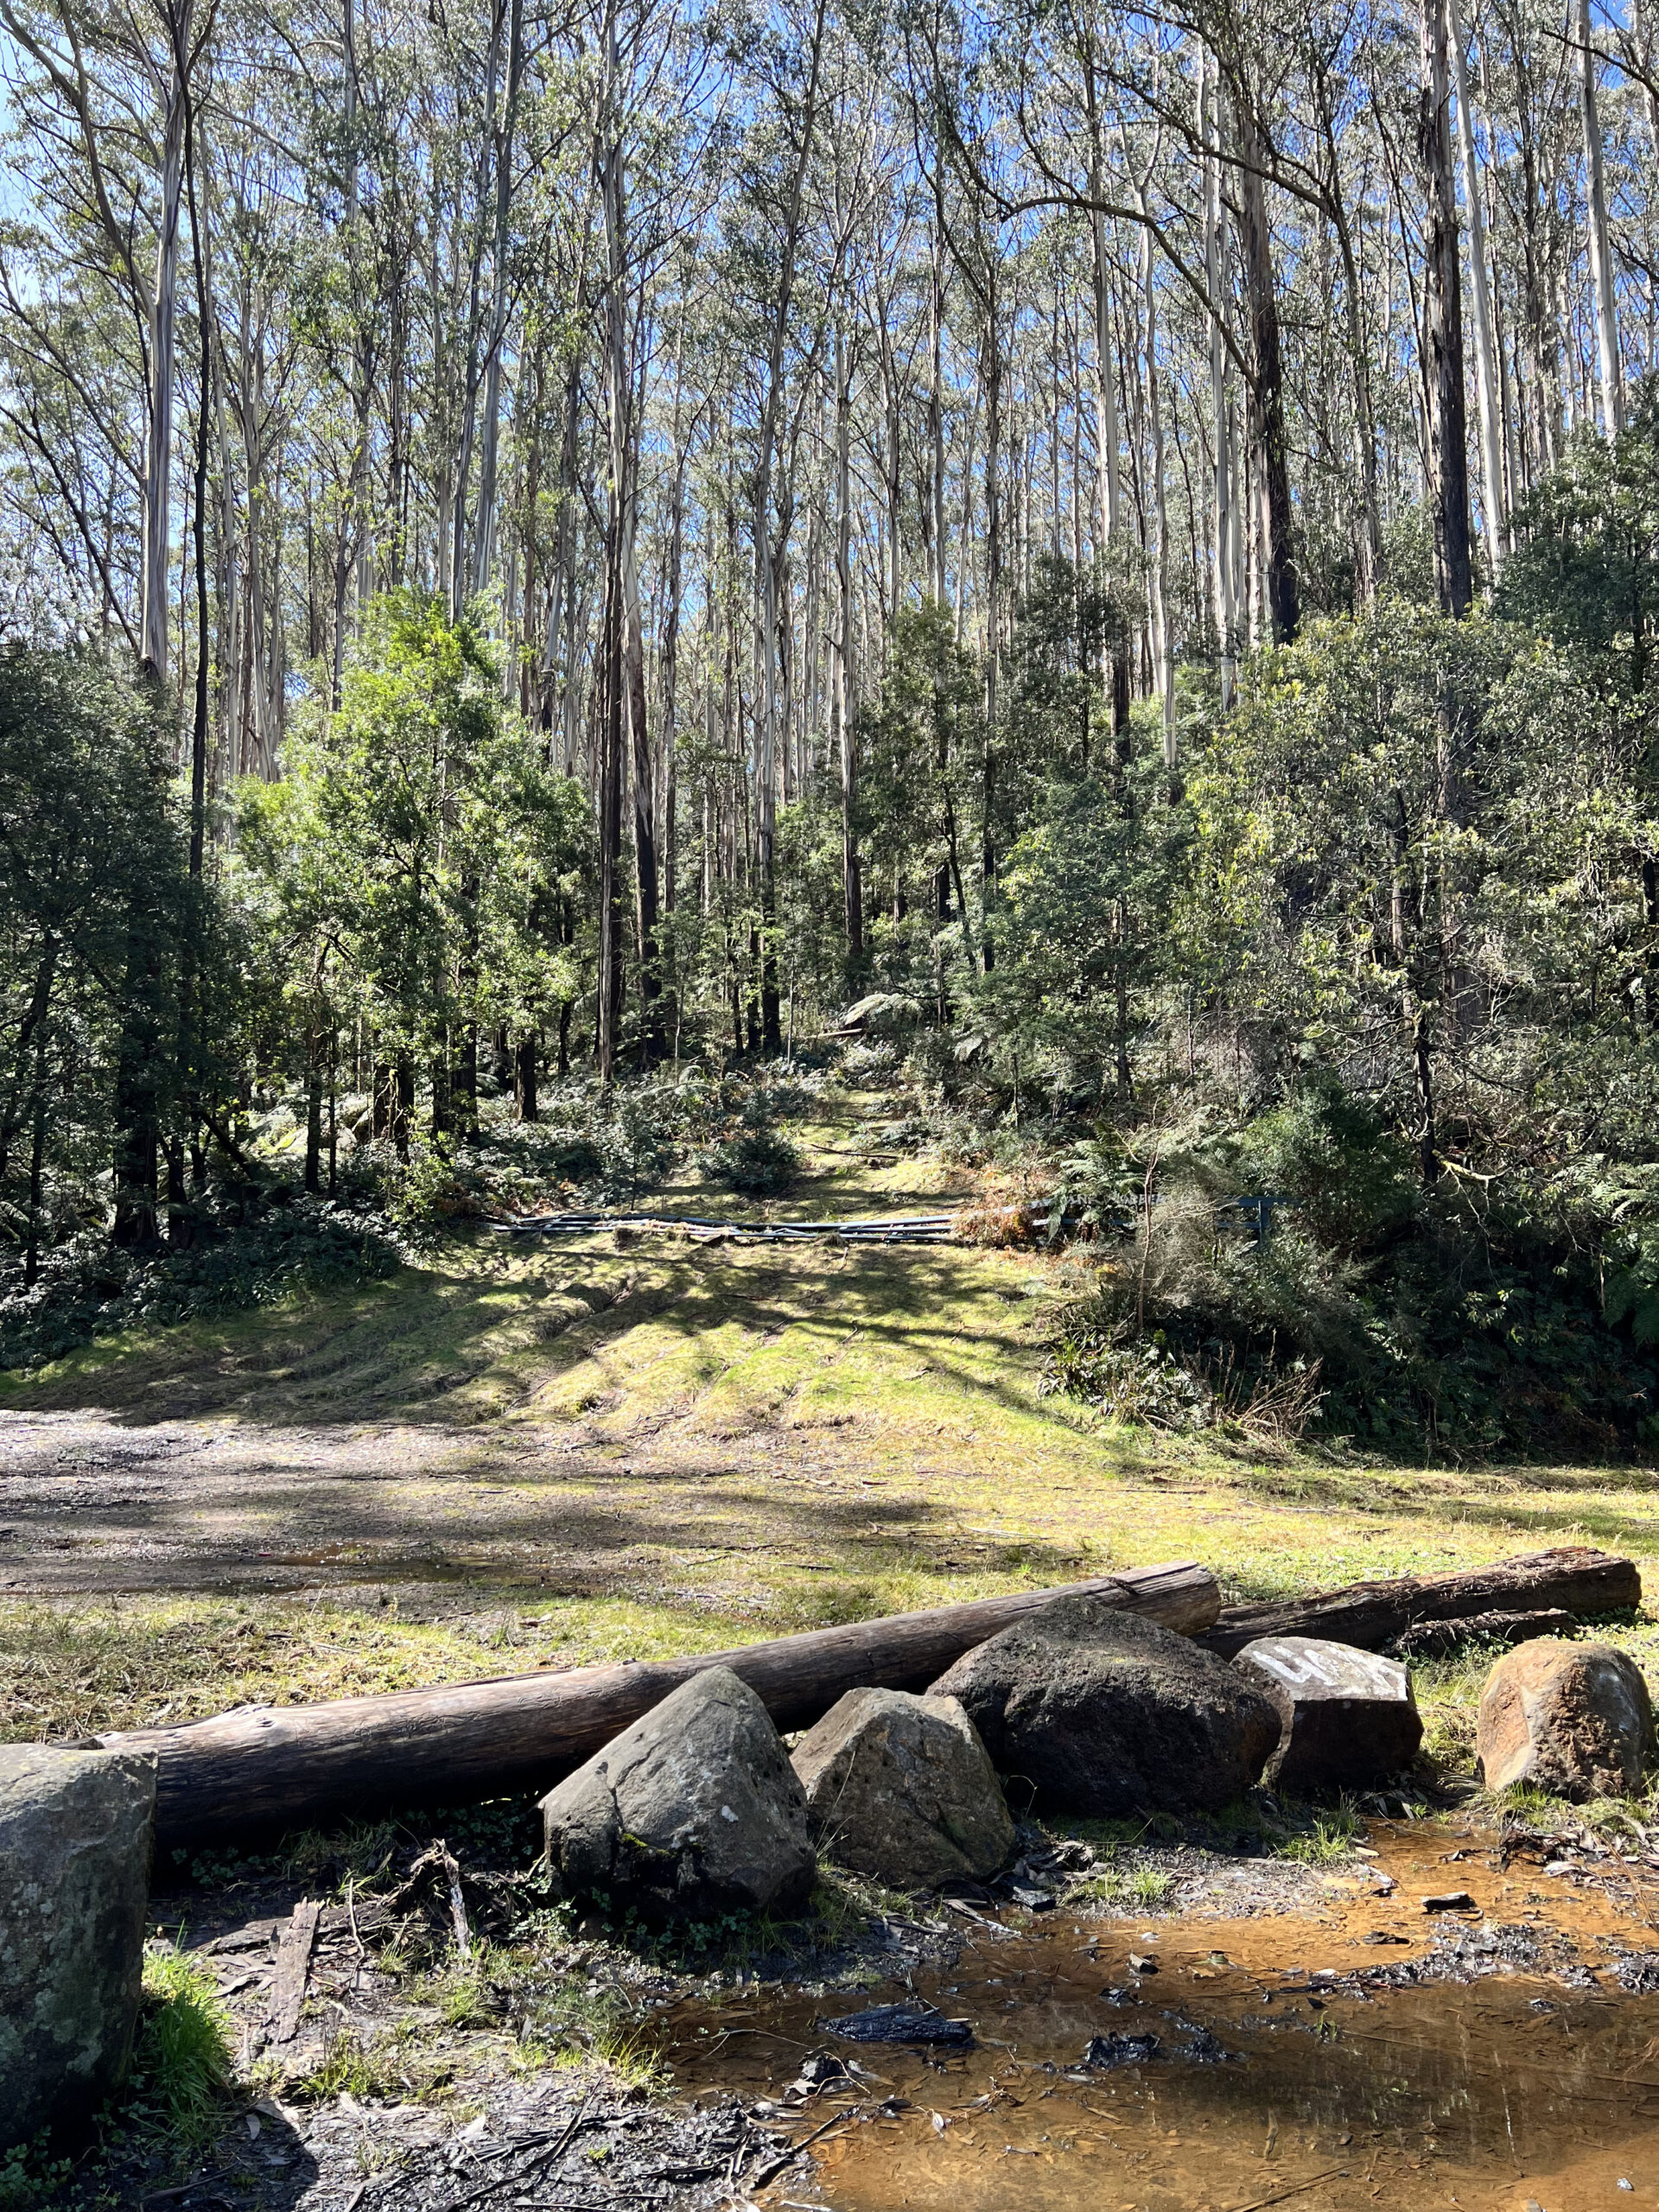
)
(536, 1453)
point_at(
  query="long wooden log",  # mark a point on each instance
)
(1575, 1580)
(293, 1766)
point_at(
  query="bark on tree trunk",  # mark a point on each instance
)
(1577, 1579)
(1266, 383)
(526, 1071)
(1493, 500)
(1443, 323)
(769, 550)
(612, 702)
(158, 453)
(1600, 242)
(845, 733)
(485, 531)
(1223, 581)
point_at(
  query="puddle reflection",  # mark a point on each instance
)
(1323, 2085)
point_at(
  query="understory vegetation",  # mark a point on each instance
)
(570, 586)
(1336, 1051)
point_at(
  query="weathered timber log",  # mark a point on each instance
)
(290, 1766)
(1576, 1579)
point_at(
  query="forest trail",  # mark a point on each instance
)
(566, 1451)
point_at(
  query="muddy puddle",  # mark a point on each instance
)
(1497, 2055)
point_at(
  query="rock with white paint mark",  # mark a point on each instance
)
(76, 1830)
(1345, 1715)
(694, 1811)
(1574, 1719)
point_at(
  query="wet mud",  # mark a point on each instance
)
(1495, 2055)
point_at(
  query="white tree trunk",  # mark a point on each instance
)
(1163, 660)
(1226, 516)
(1493, 498)
(158, 456)
(484, 533)
(1106, 433)
(1601, 253)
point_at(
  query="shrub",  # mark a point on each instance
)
(294, 1242)
(754, 1156)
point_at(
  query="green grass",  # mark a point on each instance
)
(1127, 1888)
(182, 2068)
(553, 1453)
(398, 2061)
(1325, 1842)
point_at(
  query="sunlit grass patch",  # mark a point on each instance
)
(182, 2067)
(399, 2061)
(1324, 1840)
(1144, 1889)
(673, 1449)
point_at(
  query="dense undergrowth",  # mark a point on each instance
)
(1292, 1276)
(279, 1241)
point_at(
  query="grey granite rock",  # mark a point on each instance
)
(900, 1787)
(76, 1831)
(1086, 1709)
(694, 1811)
(1345, 1715)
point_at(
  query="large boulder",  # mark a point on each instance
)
(76, 1831)
(694, 1811)
(1574, 1719)
(900, 1787)
(1085, 1709)
(1345, 1715)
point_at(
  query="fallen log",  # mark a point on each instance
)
(1442, 1639)
(266, 1767)
(1576, 1579)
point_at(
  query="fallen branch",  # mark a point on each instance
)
(909, 1228)
(293, 1766)
(1291, 2189)
(1576, 1579)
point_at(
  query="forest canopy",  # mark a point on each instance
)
(1100, 571)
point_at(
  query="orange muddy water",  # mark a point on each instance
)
(1503, 2056)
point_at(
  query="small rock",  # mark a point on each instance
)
(76, 1830)
(1090, 1710)
(901, 2024)
(1105, 2052)
(1383, 1936)
(1573, 1719)
(900, 1787)
(1345, 1715)
(695, 1810)
(1450, 1901)
(1205, 2048)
